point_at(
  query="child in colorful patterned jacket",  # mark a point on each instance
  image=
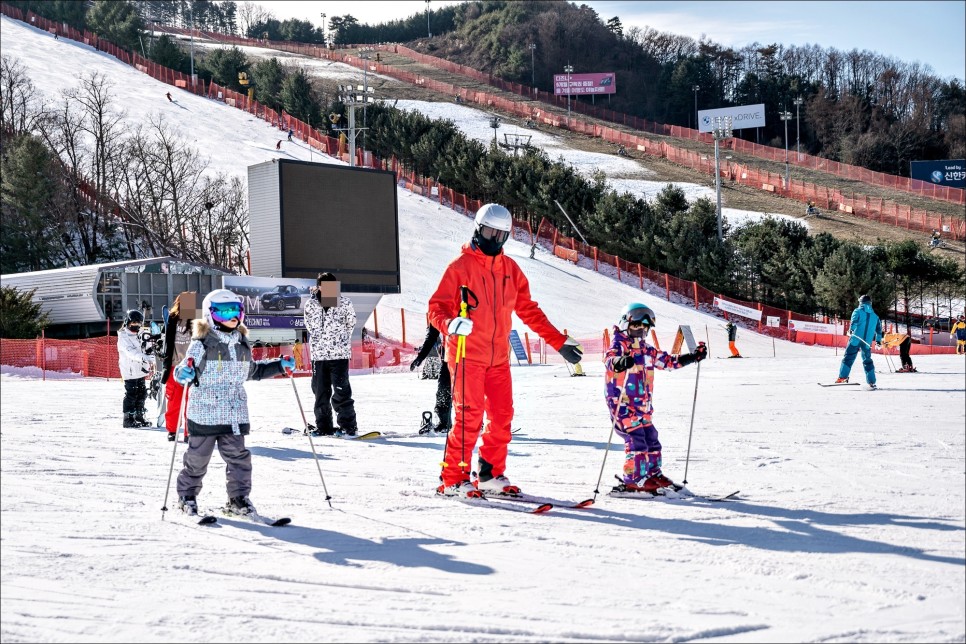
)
(630, 364)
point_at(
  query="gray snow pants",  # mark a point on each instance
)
(238, 461)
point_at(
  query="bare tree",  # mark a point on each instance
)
(20, 104)
(171, 205)
(250, 14)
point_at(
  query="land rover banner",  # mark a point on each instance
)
(271, 302)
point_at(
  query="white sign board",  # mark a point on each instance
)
(773, 320)
(811, 327)
(738, 309)
(743, 116)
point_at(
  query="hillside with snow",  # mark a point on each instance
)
(849, 525)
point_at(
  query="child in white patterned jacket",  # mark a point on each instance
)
(218, 362)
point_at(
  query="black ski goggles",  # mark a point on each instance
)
(492, 234)
(640, 317)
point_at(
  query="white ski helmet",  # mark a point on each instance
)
(221, 296)
(493, 225)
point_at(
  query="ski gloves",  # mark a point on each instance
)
(288, 364)
(414, 364)
(184, 374)
(571, 351)
(699, 354)
(623, 363)
(460, 326)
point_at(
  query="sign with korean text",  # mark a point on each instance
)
(950, 173)
(605, 83)
(743, 116)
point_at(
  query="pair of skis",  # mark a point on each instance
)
(209, 518)
(525, 503)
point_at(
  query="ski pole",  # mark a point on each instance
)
(182, 419)
(687, 458)
(852, 335)
(613, 424)
(305, 422)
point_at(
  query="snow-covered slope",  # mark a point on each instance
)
(850, 525)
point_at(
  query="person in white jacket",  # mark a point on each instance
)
(134, 364)
(330, 319)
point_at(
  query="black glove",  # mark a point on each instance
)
(571, 351)
(414, 364)
(699, 354)
(623, 363)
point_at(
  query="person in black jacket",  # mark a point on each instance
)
(444, 395)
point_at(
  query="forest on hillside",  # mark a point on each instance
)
(855, 107)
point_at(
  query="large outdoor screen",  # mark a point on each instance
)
(342, 220)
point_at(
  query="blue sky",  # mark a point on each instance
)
(933, 33)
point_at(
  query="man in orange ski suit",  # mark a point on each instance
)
(493, 284)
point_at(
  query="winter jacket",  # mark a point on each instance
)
(502, 289)
(177, 337)
(131, 358)
(732, 330)
(223, 362)
(865, 325)
(330, 329)
(636, 383)
(958, 331)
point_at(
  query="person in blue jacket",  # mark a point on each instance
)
(865, 331)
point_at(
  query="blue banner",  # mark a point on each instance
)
(950, 173)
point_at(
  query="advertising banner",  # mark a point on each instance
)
(950, 173)
(738, 309)
(811, 327)
(601, 83)
(270, 302)
(743, 116)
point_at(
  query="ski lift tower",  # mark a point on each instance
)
(353, 97)
(516, 141)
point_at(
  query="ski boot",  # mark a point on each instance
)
(188, 505)
(240, 505)
(427, 426)
(140, 419)
(129, 420)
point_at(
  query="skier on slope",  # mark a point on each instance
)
(218, 362)
(485, 278)
(134, 364)
(629, 396)
(732, 330)
(865, 330)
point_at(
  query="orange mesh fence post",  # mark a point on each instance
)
(526, 342)
(402, 316)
